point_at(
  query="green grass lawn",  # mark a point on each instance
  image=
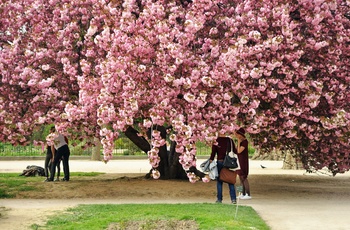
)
(203, 216)
(11, 183)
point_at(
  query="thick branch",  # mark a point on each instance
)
(139, 141)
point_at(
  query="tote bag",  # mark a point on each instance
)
(231, 158)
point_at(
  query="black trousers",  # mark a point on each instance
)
(48, 164)
(61, 153)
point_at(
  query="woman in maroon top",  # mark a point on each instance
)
(242, 152)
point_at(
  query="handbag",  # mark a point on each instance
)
(231, 159)
(228, 176)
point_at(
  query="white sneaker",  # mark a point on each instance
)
(246, 197)
(240, 196)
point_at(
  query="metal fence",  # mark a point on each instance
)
(122, 147)
(31, 150)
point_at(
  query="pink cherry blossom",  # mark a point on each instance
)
(279, 69)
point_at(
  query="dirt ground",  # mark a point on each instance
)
(135, 186)
(267, 190)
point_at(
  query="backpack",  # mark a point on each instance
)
(33, 170)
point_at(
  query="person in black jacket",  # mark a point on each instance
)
(223, 143)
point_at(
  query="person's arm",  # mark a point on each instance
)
(213, 152)
(66, 139)
(240, 148)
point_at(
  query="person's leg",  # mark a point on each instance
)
(58, 156)
(53, 168)
(219, 190)
(46, 166)
(219, 183)
(65, 160)
(241, 178)
(58, 170)
(246, 190)
(246, 186)
(68, 155)
(232, 193)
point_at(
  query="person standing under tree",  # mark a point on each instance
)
(223, 143)
(242, 153)
(48, 163)
(60, 150)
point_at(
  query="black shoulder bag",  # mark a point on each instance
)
(231, 158)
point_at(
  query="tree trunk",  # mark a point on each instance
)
(169, 166)
(96, 151)
(291, 162)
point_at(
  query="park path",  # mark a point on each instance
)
(282, 209)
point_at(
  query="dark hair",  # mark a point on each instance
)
(241, 131)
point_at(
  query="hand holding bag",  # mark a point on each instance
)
(231, 158)
(228, 176)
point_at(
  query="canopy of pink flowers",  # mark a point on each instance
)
(94, 67)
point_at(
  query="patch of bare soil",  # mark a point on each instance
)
(123, 187)
(135, 186)
(155, 225)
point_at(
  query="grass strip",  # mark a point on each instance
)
(156, 216)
